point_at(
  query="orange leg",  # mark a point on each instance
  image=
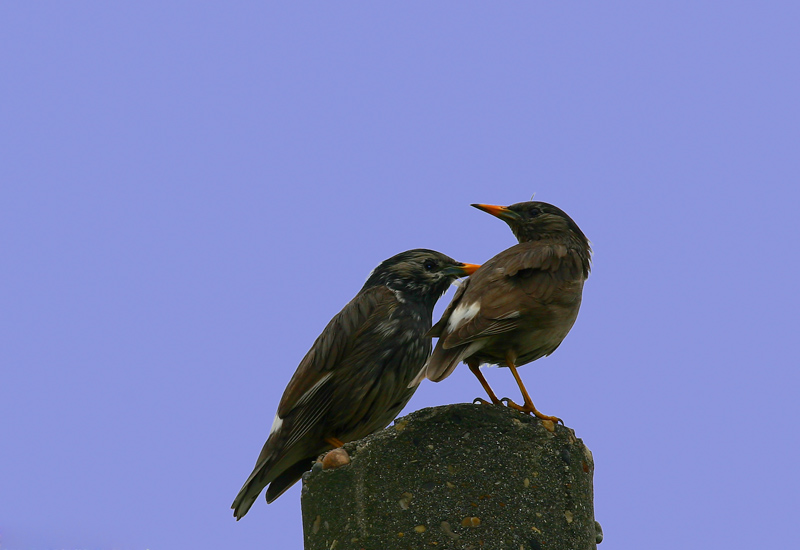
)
(475, 368)
(527, 407)
(333, 441)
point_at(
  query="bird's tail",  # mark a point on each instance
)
(266, 469)
(288, 478)
(440, 364)
(277, 466)
(249, 492)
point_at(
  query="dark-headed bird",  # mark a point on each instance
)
(355, 378)
(519, 305)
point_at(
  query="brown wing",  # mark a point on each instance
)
(330, 347)
(307, 399)
(510, 286)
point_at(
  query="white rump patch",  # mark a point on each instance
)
(462, 314)
(276, 424)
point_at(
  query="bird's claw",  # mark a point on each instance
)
(530, 409)
(481, 401)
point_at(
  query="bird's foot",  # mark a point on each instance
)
(528, 408)
(333, 442)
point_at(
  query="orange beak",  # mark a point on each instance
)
(501, 212)
(469, 269)
(460, 270)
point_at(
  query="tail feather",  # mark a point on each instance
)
(266, 469)
(288, 478)
(277, 466)
(250, 490)
(441, 363)
(444, 361)
(245, 499)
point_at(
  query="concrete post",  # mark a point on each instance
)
(459, 476)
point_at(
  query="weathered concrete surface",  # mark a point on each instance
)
(460, 476)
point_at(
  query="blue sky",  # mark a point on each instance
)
(189, 192)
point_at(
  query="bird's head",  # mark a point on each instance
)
(533, 220)
(419, 274)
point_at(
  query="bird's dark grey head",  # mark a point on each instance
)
(419, 274)
(534, 220)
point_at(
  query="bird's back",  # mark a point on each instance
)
(524, 300)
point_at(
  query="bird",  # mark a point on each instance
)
(520, 305)
(355, 378)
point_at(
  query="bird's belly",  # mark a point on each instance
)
(524, 345)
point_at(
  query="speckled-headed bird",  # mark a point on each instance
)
(355, 378)
(520, 304)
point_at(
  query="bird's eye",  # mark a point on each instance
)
(429, 265)
(533, 212)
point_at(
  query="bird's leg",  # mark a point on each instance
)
(474, 366)
(527, 407)
(333, 441)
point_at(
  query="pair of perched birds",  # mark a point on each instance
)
(369, 360)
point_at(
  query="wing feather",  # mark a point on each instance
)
(512, 285)
(308, 397)
(334, 343)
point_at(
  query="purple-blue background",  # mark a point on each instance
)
(188, 193)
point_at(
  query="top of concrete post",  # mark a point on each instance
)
(458, 476)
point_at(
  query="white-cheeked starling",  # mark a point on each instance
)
(520, 304)
(356, 377)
